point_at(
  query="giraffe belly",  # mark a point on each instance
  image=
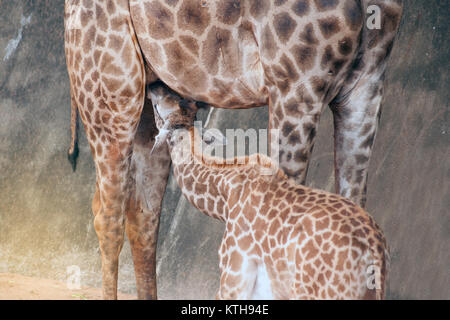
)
(235, 85)
(212, 63)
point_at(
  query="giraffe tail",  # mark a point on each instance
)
(72, 154)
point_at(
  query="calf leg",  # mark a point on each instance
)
(238, 271)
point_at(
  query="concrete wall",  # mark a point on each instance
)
(45, 218)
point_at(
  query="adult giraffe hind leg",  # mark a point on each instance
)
(108, 86)
(357, 107)
(150, 176)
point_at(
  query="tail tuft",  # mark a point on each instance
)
(72, 156)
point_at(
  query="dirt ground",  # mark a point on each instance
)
(18, 287)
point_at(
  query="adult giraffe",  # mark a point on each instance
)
(296, 56)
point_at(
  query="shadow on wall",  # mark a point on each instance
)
(45, 218)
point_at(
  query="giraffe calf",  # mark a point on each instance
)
(282, 240)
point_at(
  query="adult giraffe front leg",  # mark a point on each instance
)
(296, 116)
(108, 89)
